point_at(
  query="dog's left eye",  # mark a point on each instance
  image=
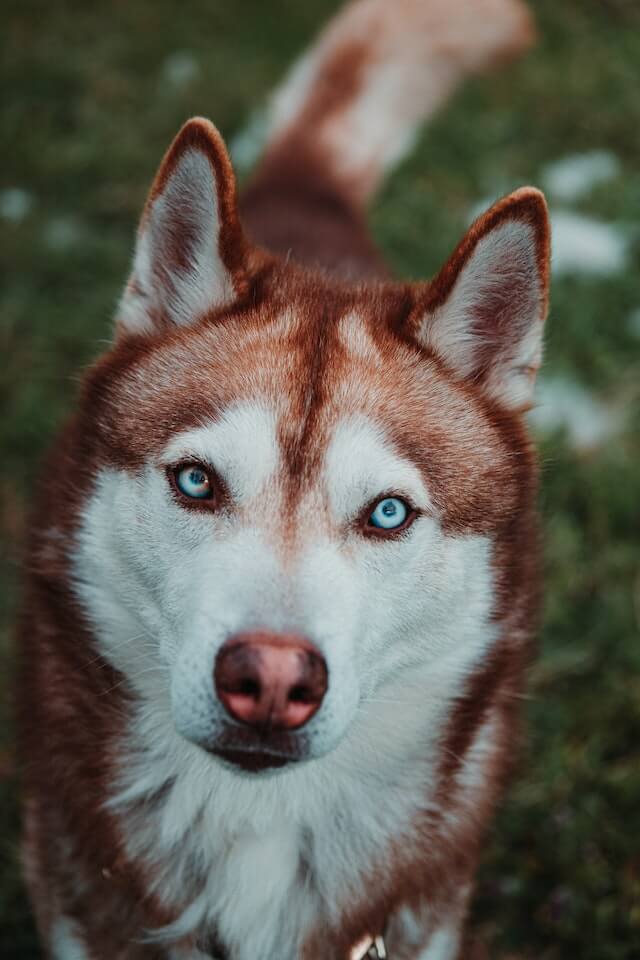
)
(390, 514)
(193, 481)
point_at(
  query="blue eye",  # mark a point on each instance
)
(389, 514)
(194, 482)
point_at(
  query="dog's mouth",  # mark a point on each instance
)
(252, 761)
(254, 752)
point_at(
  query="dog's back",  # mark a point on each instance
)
(283, 564)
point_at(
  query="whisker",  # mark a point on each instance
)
(121, 643)
(390, 700)
(150, 670)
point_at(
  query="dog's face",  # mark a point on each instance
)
(303, 491)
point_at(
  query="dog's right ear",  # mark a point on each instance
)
(190, 251)
(484, 312)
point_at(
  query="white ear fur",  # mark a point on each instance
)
(187, 257)
(487, 306)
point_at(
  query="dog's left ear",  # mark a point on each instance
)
(190, 251)
(484, 312)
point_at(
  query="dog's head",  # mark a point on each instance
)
(307, 496)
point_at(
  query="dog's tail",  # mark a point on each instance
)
(349, 109)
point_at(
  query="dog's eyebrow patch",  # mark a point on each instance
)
(241, 446)
(361, 463)
(355, 337)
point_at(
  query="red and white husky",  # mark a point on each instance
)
(282, 576)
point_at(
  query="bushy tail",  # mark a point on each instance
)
(381, 68)
(349, 109)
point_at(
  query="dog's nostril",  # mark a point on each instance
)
(300, 694)
(248, 688)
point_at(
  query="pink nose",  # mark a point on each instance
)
(270, 680)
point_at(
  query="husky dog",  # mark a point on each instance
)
(282, 570)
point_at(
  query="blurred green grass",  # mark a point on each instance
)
(93, 93)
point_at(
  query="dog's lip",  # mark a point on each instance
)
(256, 750)
(253, 761)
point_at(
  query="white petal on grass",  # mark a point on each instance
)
(633, 323)
(576, 175)
(564, 403)
(247, 144)
(180, 69)
(581, 244)
(15, 204)
(63, 233)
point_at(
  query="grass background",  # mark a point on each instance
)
(92, 94)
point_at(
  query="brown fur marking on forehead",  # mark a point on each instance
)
(296, 432)
(325, 362)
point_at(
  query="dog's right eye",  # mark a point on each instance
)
(194, 481)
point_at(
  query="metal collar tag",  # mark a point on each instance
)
(369, 948)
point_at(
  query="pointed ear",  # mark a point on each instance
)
(190, 251)
(484, 312)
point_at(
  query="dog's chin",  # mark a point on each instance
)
(250, 761)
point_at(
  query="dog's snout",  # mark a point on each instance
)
(270, 680)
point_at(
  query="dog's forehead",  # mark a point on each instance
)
(301, 359)
(310, 372)
(293, 402)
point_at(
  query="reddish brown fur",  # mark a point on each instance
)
(295, 185)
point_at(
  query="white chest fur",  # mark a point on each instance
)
(263, 862)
